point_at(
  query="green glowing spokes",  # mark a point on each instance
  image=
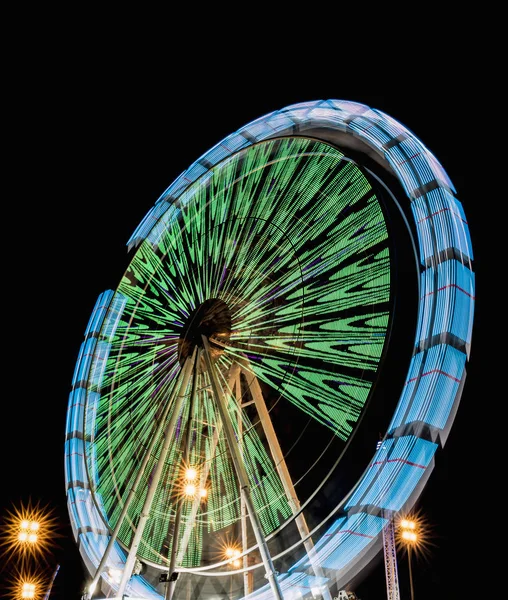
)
(201, 240)
(164, 297)
(267, 490)
(125, 425)
(292, 279)
(345, 347)
(307, 282)
(351, 258)
(222, 507)
(253, 205)
(156, 540)
(123, 435)
(244, 238)
(349, 288)
(266, 487)
(141, 387)
(292, 213)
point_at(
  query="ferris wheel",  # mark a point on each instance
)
(226, 386)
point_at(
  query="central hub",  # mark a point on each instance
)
(211, 319)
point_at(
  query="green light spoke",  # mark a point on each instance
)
(291, 239)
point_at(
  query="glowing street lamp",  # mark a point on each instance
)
(409, 537)
(28, 531)
(233, 554)
(190, 488)
(28, 590)
(191, 474)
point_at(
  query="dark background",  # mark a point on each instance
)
(92, 140)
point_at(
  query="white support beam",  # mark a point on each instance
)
(156, 435)
(147, 506)
(233, 372)
(271, 573)
(282, 470)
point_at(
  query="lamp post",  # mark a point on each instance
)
(27, 539)
(409, 536)
(27, 536)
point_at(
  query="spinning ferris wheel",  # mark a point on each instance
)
(224, 383)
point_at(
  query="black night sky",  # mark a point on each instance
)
(88, 152)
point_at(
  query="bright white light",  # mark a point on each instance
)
(410, 536)
(191, 474)
(92, 587)
(28, 590)
(407, 524)
(233, 553)
(32, 538)
(115, 574)
(203, 492)
(23, 536)
(190, 489)
(34, 526)
(25, 524)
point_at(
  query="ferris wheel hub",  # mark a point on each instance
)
(212, 319)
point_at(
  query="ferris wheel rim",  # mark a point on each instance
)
(347, 117)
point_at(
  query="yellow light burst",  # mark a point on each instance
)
(191, 474)
(26, 584)
(189, 489)
(28, 532)
(187, 486)
(230, 550)
(413, 533)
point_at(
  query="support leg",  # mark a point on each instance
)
(145, 511)
(170, 589)
(282, 470)
(241, 473)
(156, 435)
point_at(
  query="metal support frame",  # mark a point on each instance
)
(184, 542)
(247, 575)
(141, 470)
(145, 511)
(390, 556)
(170, 588)
(282, 470)
(241, 366)
(271, 573)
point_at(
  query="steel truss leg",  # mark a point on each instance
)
(241, 473)
(233, 385)
(185, 372)
(282, 470)
(170, 588)
(390, 556)
(235, 369)
(247, 575)
(145, 512)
